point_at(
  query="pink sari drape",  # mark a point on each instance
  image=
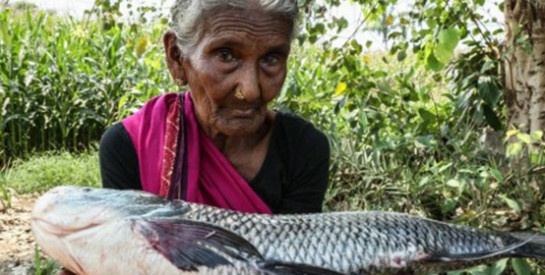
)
(206, 177)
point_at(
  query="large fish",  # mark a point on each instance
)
(101, 231)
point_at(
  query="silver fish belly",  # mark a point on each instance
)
(346, 242)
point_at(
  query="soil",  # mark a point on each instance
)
(16, 240)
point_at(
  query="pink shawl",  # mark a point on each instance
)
(206, 176)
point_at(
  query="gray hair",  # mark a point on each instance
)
(187, 15)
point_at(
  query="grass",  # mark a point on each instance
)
(47, 170)
(5, 193)
(44, 266)
(42, 172)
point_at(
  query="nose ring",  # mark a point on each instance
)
(239, 95)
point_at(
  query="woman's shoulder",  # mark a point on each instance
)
(115, 142)
(118, 159)
(298, 131)
(294, 124)
(291, 119)
(114, 134)
(159, 103)
(152, 114)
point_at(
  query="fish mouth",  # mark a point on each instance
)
(57, 230)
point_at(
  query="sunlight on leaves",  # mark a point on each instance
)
(511, 203)
(448, 40)
(341, 87)
(141, 46)
(389, 20)
(521, 266)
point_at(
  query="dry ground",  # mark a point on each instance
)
(16, 240)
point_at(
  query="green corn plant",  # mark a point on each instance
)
(62, 80)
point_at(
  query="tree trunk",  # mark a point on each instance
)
(524, 65)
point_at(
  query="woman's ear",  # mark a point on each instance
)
(174, 58)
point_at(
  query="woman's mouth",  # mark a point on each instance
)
(244, 113)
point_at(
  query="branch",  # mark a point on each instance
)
(486, 39)
(362, 22)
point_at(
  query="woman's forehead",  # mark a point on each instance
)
(254, 23)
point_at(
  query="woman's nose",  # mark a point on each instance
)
(249, 84)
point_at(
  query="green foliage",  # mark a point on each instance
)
(63, 81)
(5, 193)
(405, 126)
(42, 172)
(44, 266)
(433, 31)
(533, 143)
(397, 143)
(521, 267)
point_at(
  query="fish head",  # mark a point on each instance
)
(92, 230)
(67, 213)
(101, 231)
(67, 219)
(66, 209)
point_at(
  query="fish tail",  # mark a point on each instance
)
(526, 245)
(534, 246)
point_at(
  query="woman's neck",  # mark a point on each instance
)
(230, 144)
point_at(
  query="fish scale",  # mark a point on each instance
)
(371, 242)
(378, 233)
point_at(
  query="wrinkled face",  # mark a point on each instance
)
(238, 50)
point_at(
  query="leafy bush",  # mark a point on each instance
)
(398, 141)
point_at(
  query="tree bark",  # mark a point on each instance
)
(524, 64)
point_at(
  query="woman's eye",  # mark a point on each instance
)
(271, 59)
(226, 55)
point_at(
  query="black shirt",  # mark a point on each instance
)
(292, 179)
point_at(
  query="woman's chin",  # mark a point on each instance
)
(240, 127)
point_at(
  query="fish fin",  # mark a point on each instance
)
(509, 250)
(536, 238)
(535, 247)
(189, 244)
(283, 268)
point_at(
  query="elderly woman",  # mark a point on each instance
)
(218, 143)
